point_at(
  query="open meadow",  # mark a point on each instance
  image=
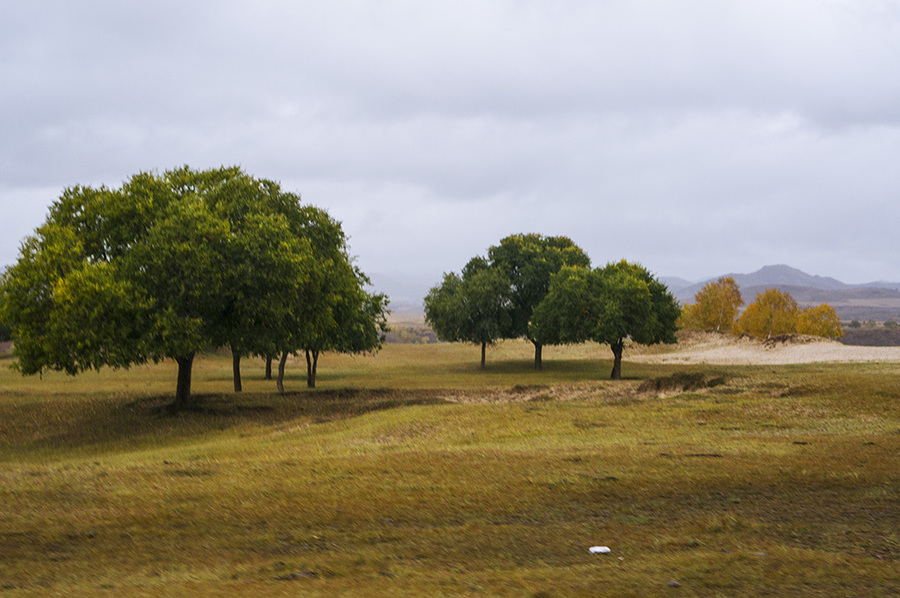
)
(414, 473)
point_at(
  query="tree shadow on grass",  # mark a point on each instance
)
(109, 423)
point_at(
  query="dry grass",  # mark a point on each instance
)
(413, 473)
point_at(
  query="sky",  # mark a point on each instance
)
(698, 137)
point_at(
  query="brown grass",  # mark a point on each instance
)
(414, 473)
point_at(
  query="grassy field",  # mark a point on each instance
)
(412, 473)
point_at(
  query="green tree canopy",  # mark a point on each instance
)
(470, 308)
(163, 267)
(607, 305)
(527, 262)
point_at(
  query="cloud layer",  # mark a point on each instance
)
(695, 137)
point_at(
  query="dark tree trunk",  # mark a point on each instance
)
(312, 363)
(183, 390)
(281, 363)
(538, 352)
(617, 349)
(236, 369)
(268, 368)
(483, 345)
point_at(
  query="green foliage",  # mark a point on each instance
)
(470, 308)
(567, 313)
(495, 298)
(528, 261)
(171, 264)
(607, 305)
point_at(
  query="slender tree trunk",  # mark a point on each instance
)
(312, 363)
(281, 363)
(538, 351)
(183, 390)
(268, 368)
(617, 348)
(236, 369)
(483, 345)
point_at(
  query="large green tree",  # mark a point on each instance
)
(608, 305)
(472, 307)
(528, 261)
(163, 267)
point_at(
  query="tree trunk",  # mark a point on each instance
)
(483, 345)
(538, 351)
(617, 349)
(268, 368)
(236, 369)
(312, 363)
(183, 390)
(281, 363)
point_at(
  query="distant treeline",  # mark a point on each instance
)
(872, 336)
(410, 335)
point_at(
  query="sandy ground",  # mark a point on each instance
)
(720, 349)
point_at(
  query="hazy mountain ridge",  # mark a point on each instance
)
(870, 301)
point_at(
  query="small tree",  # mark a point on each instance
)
(471, 308)
(528, 262)
(820, 320)
(771, 314)
(607, 305)
(330, 310)
(715, 307)
(357, 324)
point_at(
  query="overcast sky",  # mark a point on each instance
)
(695, 137)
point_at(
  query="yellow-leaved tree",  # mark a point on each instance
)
(771, 314)
(715, 307)
(820, 320)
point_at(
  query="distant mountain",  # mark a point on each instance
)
(778, 276)
(782, 275)
(872, 301)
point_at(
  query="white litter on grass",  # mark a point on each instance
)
(600, 549)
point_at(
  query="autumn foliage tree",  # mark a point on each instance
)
(772, 313)
(820, 320)
(716, 307)
(775, 312)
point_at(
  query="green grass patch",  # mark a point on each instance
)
(414, 473)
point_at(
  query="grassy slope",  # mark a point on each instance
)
(783, 481)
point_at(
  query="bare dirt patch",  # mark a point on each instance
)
(721, 349)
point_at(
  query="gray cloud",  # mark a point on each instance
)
(695, 137)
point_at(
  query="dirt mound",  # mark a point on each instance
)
(681, 382)
(714, 348)
(792, 339)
